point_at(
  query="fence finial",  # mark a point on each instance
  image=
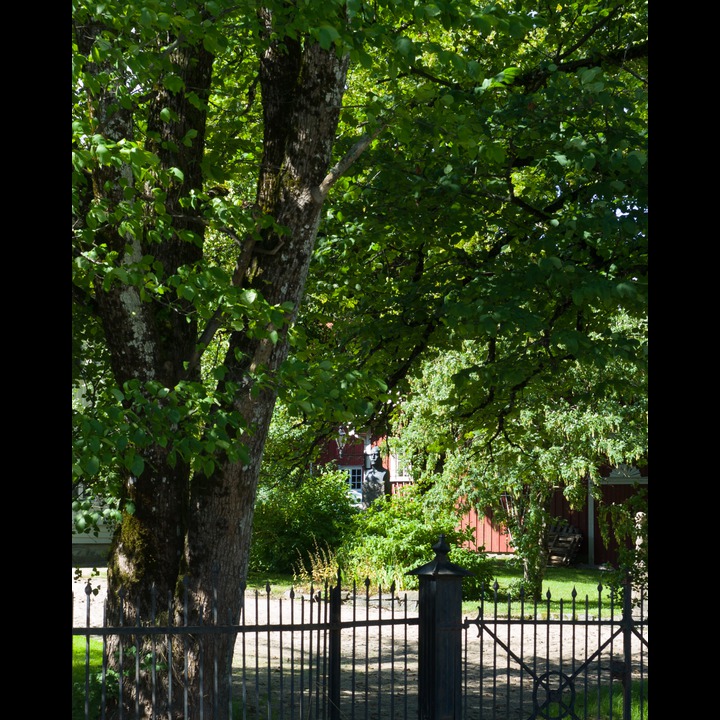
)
(440, 565)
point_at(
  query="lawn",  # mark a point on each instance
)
(559, 584)
(85, 688)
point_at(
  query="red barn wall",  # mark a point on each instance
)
(491, 536)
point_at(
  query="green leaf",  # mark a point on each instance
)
(626, 290)
(549, 264)
(588, 75)
(483, 23)
(190, 135)
(405, 47)
(174, 83)
(137, 465)
(214, 43)
(92, 466)
(636, 160)
(508, 75)
(327, 35)
(103, 154)
(186, 292)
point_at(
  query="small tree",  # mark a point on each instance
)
(554, 435)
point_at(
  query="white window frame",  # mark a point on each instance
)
(355, 476)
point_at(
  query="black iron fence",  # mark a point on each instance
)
(529, 661)
(362, 655)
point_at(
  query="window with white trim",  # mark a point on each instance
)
(355, 476)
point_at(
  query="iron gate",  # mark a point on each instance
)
(521, 662)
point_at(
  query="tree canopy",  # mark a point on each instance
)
(309, 202)
(504, 202)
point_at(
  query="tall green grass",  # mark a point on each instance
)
(86, 688)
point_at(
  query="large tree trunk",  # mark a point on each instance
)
(152, 341)
(195, 531)
(302, 92)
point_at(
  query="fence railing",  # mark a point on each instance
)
(357, 654)
(528, 661)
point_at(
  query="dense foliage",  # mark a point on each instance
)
(394, 536)
(311, 201)
(296, 517)
(551, 441)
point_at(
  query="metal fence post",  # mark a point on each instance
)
(440, 636)
(334, 650)
(627, 625)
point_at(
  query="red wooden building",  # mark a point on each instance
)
(351, 453)
(617, 486)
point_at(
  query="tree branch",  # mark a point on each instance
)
(535, 79)
(341, 167)
(214, 323)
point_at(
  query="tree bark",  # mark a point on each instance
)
(302, 94)
(152, 341)
(194, 531)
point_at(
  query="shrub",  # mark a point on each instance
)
(292, 520)
(394, 536)
(478, 563)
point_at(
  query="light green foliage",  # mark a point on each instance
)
(395, 535)
(296, 516)
(91, 511)
(548, 440)
(627, 524)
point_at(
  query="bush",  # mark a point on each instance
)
(481, 568)
(292, 521)
(395, 535)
